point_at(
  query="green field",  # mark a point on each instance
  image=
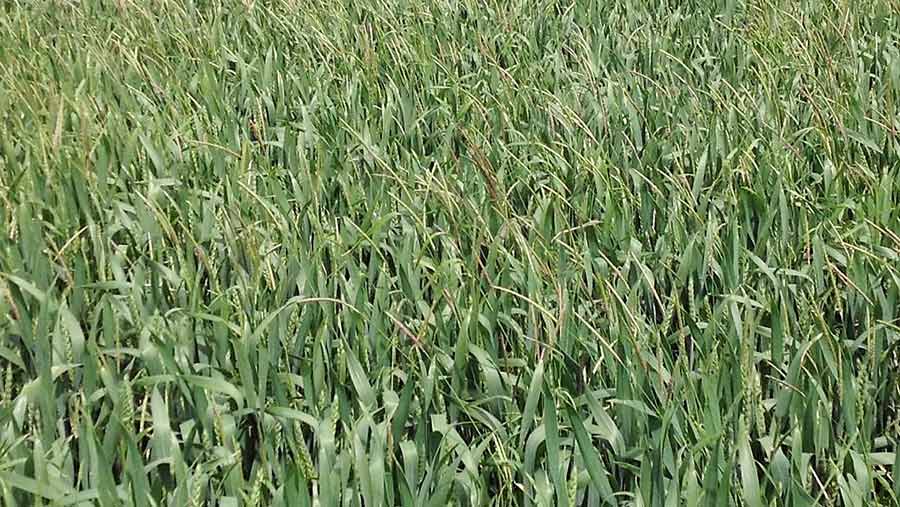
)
(344, 253)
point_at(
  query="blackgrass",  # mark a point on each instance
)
(449, 252)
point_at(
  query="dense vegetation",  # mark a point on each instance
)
(449, 252)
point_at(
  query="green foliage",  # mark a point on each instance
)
(449, 252)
